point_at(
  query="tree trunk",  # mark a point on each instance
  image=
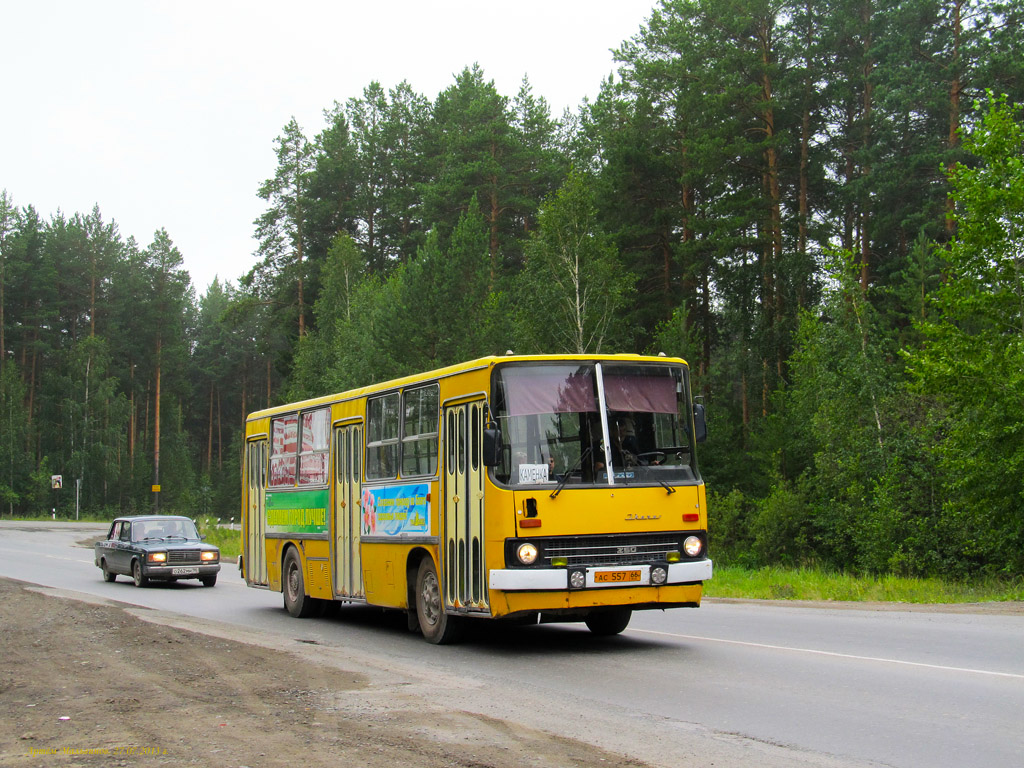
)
(132, 422)
(805, 143)
(865, 240)
(773, 294)
(705, 363)
(209, 432)
(493, 244)
(92, 296)
(156, 432)
(220, 441)
(3, 341)
(745, 407)
(954, 105)
(32, 377)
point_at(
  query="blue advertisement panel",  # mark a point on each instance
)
(397, 510)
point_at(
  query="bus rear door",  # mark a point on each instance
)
(348, 573)
(255, 511)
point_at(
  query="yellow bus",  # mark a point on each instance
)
(533, 488)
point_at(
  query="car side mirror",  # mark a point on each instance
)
(700, 424)
(492, 445)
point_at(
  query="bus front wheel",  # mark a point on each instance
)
(609, 622)
(296, 601)
(436, 625)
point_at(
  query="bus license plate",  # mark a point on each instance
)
(184, 571)
(616, 577)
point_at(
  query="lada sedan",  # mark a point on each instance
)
(156, 548)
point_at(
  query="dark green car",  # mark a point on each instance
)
(156, 548)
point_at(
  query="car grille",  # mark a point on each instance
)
(626, 549)
(180, 556)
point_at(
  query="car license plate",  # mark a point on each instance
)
(184, 571)
(616, 577)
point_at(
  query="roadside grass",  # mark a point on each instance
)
(812, 584)
(229, 541)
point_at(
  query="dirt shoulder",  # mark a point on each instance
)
(90, 684)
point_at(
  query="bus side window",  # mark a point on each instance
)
(382, 425)
(419, 431)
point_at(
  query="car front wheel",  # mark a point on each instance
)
(137, 576)
(208, 581)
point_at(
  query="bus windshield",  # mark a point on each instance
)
(594, 424)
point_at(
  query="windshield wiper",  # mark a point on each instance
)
(565, 477)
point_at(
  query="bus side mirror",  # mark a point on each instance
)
(492, 445)
(700, 424)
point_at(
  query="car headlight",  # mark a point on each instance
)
(527, 553)
(210, 556)
(693, 546)
(156, 557)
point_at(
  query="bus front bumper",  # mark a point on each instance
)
(540, 579)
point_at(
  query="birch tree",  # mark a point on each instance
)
(573, 287)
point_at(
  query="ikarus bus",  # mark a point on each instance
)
(533, 488)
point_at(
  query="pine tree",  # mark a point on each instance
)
(281, 229)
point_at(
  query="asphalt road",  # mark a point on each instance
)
(782, 684)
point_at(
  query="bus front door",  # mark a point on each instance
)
(255, 553)
(348, 573)
(464, 576)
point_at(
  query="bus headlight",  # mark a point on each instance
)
(659, 575)
(527, 553)
(692, 546)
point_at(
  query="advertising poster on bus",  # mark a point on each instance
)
(297, 512)
(397, 510)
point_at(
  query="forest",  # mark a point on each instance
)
(819, 205)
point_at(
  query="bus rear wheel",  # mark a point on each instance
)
(437, 626)
(296, 601)
(609, 622)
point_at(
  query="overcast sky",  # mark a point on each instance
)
(164, 113)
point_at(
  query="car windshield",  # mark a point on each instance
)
(594, 424)
(164, 529)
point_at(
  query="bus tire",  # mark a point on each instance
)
(296, 601)
(437, 626)
(609, 622)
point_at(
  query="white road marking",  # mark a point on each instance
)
(834, 654)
